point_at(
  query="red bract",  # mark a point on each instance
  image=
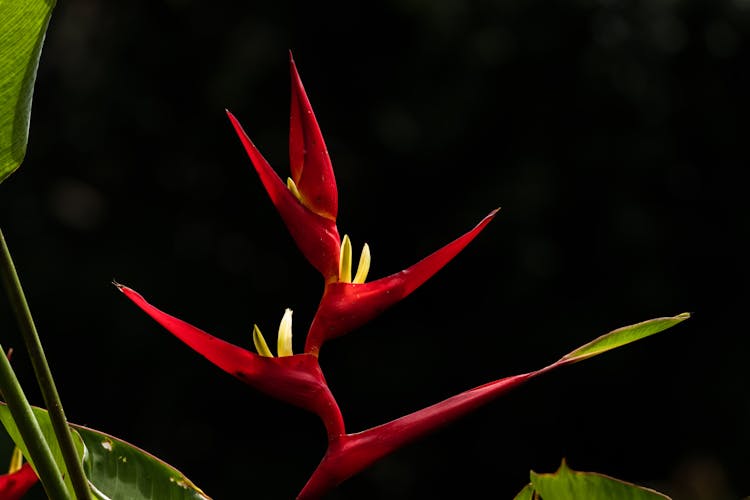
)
(308, 203)
(294, 379)
(346, 306)
(14, 485)
(316, 236)
(353, 453)
(308, 157)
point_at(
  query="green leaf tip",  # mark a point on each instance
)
(621, 337)
(22, 29)
(568, 484)
(527, 493)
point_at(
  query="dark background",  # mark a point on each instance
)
(611, 132)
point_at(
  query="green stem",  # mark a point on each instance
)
(31, 433)
(43, 374)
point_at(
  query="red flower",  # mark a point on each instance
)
(308, 205)
(14, 485)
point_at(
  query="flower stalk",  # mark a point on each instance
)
(43, 373)
(31, 433)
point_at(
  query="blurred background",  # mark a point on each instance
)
(609, 131)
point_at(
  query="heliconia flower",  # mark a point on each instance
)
(349, 303)
(295, 379)
(19, 479)
(308, 205)
(308, 201)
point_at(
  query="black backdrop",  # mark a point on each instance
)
(609, 131)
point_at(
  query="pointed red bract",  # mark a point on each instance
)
(308, 156)
(13, 486)
(294, 379)
(316, 236)
(347, 306)
(353, 453)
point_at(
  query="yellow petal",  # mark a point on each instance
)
(16, 460)
(260, 343)
(345, 261)
(364, 265)
(293, 188)
(284, 347)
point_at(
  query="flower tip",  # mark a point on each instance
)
(232, 119)
(16, 460)
(119, 286)
(364, 265)
(292, 187)
(260, 343)
(284, 347)
(345, 260)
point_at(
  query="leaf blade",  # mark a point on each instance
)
(116, 469)
(568, 484)
(527, 493)
(622, 336)
(122, 471)
(23, 25)
(49, 435)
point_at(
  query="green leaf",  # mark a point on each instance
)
(120, 470)
(622, 336)
(116, 470)
(49, 435)
(527, 493)
(23, 24)
(567, 484)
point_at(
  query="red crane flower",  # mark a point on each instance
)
(308, 205)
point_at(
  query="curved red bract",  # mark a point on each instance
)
(15, 485)
(297, 380)
(347, 306)
(308, 156)
(315, 235)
